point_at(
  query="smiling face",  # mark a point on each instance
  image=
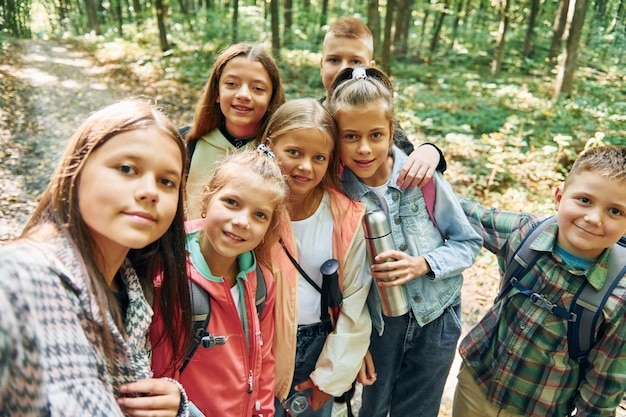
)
(342, 52)
(237, 218)
(304, 155)
(591, 212)
(127, 193)
(365, 135)
(245, 92)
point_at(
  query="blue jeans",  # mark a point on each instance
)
(310, 341)
(412, 365)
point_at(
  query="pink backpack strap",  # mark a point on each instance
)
(430, 197)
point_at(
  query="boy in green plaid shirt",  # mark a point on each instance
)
(515, 360)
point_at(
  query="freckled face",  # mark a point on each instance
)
(245, 92)
(127, 192)
(365, 136)
(238, 216)
(591, 213)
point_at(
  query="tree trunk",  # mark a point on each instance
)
(161, 9)
(530, 30)
(275, 28)
(288, 22)
(403, 24)
(92, 16)
(496, 64)
(373, 22)
(323, 20)
(235, 23)
(138, 11)
(386, 52)
(437, 29)
(575, 22)
(457, 20)
(559, 28)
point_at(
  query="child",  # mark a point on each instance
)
(73, 315)
(324, 225)
(243, 90)
(349, 43)
(412, 352)
(241, 206)
(515, 360)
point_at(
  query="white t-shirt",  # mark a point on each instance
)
(314, 240)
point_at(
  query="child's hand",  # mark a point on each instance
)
(318, 397)
(400, 270)
(367, 373)
(152, 396)
(419, 167)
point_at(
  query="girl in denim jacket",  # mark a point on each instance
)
(413, 351)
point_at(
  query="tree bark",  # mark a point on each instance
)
(386, 52)
(403, 24)
(92, 16)
(161, 9)
(373, 22)
(288, 22)
(496, 64)
(560, 21)
(567, 68)
(275, 28)
(235, 23)
(530, 29)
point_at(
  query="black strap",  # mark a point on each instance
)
(324, 291)
(201, 302)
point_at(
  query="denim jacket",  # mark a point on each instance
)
(414, 233)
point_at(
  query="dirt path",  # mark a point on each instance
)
(47, 88)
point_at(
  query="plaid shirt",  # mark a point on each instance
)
(518, 352)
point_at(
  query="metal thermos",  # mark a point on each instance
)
(394, 300)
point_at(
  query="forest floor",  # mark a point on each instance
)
(47, 88)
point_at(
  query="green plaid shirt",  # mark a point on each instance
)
(518, 352)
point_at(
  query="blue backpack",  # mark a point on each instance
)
(585, 312)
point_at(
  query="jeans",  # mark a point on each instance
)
(310, 341)
(412, 365)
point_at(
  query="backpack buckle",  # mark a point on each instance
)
(542, 302)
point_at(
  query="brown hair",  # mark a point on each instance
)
(208, 115)
(306, 113)
(246, 167)
(352, 28)
(59, 205)
(607, 161)
(361, 86)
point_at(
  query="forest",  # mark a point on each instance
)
(511, 90)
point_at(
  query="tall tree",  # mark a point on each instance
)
(438, 26)
(373, 21)
(92, 16)
(567, 68)
(496, 64)
(288, 22)
(235, 23)
(386, 52)
(275, 22)
(560, 21)
(530, 29)
(161, 11)
(403, 24)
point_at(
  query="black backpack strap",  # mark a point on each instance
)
(588, 305)
(522, 259)
(201, 302)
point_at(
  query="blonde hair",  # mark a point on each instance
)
(246, 167)
(351, 28)
(307, 113)
(607, 161)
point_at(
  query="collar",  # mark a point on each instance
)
(596, 274)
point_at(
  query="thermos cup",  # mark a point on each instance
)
(394, 300)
